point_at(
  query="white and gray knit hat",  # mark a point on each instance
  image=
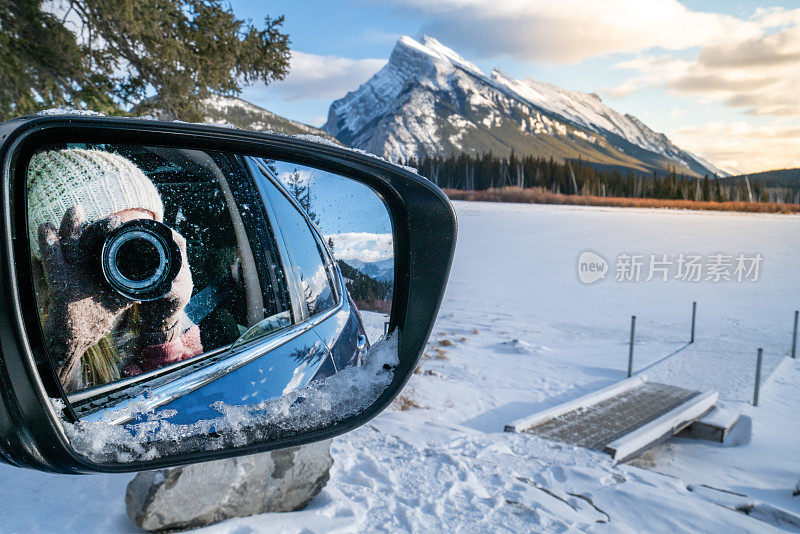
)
(100, 182)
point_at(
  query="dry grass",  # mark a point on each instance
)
(404, 403)
(538, 195)
(647, 460)
(424, 358)
(440, 354)
(445, 342)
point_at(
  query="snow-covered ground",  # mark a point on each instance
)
(518, 333)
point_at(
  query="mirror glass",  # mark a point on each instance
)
(188, 293)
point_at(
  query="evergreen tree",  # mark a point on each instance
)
(301, 191)
(127, 51)
(480, 172)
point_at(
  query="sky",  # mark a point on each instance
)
(720, 78)
(330, 191)
(363, 232)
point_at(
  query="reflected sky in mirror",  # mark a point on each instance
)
(331, 194)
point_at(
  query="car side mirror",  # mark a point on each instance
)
(174, 293)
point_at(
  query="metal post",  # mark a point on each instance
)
(694, 315)
(794, 335)
(758, 377)
(630, 349)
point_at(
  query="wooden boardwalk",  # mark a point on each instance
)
(623, 420)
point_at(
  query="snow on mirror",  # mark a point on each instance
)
(205, 299)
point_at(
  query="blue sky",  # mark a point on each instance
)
(330, 191)
(666, 62)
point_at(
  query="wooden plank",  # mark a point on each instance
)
(596, 425)
(658, 430)
(521, 425)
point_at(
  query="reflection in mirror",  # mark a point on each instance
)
(359, 236)
(178, 287)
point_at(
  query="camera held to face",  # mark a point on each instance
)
(140, 259)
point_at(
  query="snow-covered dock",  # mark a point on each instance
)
(622, 420)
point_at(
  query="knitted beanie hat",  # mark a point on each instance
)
(100, 182)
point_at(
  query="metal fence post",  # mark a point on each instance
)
(758, 377)
(794, 335)
(694, 315)
(630, 349)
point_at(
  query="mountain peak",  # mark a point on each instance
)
(410, 61)
(433, 50)
(429, 100)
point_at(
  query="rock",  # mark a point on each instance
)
(202, 494)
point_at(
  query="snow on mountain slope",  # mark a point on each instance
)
(231, 110)
(589, 111)
(429, 100)
(410, 60)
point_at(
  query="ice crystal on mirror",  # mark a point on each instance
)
(69, 111)
(317, 405)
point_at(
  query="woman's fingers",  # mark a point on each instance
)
(180, 240)
(72, 224)
(70, 231)
(50, 249)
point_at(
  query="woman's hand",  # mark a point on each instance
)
(83, 306)
(162, 319)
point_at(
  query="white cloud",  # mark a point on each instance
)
(363, 246)
(741, 147)
(305, 176)
(758, 74)
(569, 31)
(755, 74)
(315, 77)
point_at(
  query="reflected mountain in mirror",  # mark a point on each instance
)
(172, 282)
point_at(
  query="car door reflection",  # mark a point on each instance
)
(340, 333)
(282, 370)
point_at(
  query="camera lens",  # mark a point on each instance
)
(137, 259)
(140, 259)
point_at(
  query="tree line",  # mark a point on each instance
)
(576, 177)
(369, 294)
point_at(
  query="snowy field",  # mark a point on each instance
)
(518, 333)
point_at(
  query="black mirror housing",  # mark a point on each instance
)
(32, 434)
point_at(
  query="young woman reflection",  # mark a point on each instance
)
(92, 333)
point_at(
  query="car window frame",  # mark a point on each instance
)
(254, 230)
(257, 169)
